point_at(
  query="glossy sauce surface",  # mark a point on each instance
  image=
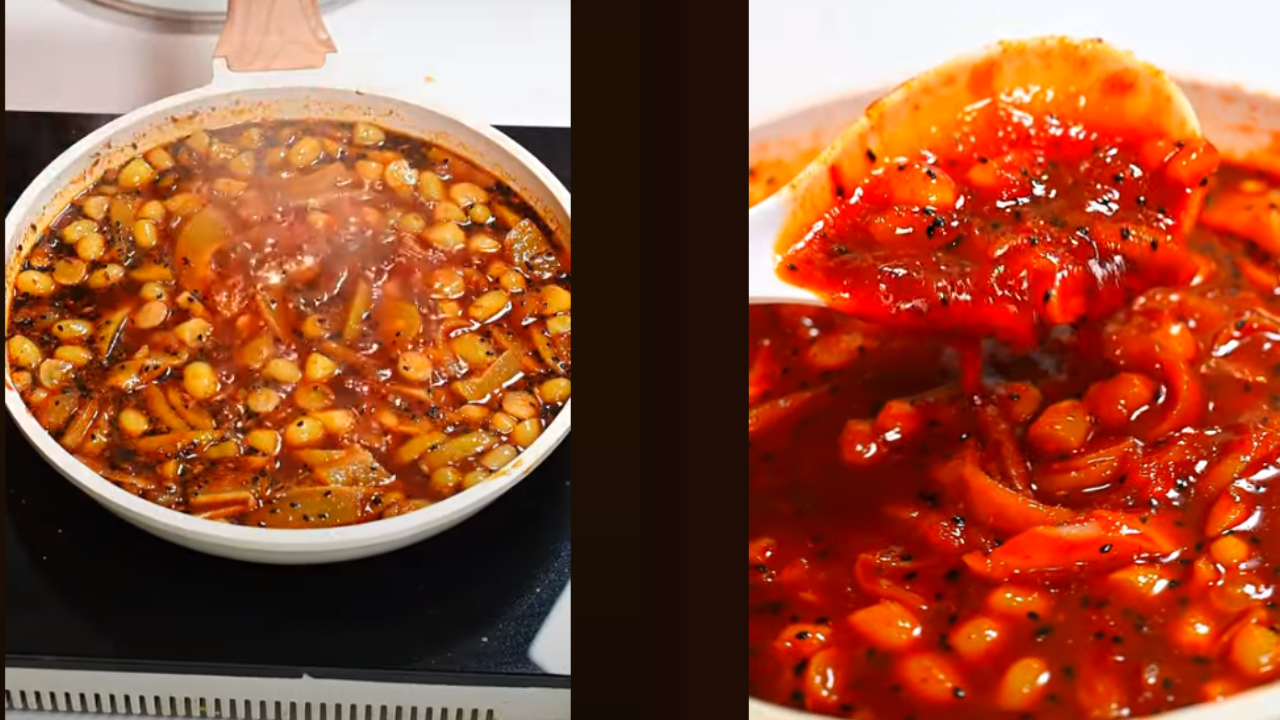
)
(1095, 533)
(1017, 224)
(295, 326)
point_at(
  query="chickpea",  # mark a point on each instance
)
(480, 214)
(446, 236)
(106, 277)
(223, 152)
(366, 135)
(559, 325)
(244, 166)
(310, 397)
(447, 212)
(78, 230)
(412, 223)
(556, 391)
(305, 153)
(161, 159)
(266, 442)
(447, 481)
(75, 354)
(223, 451)
(320, 368)
(448, 283)
(316, 327)
(923, 185)
(263, 401)
(55, 373)
(252, 139)
(416, 367)
(70, 271)
(1255, 651)
(24, 352)
(1061, 429)
(489, 306)
(95, 207)
(185, 204)
(152, 211)
(371, 171)
(500, 457)
(337, 422)
(401, 178)
(1024, 685)
(151, 316)
(283, 371)
(527, 433)
(1230, 551)
(92, 247)
(474, 478)
(485, 245)
(36, 284)
(521, 404)
(503, 424)
(431, 187)
(201, 381)
(1014, 601)
(194, 333)
(136, 175)
(977, 638)
(22, 381)
(190, 302)
(133, 423)
(468, 194)
(304, 432)
(513, 282)
(69, 331)
(145, 234)
(556, 300)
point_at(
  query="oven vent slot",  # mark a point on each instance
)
(227, 708)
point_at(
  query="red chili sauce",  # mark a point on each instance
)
(1017, 224)
(1095, 534)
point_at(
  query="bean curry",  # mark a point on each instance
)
(295, 325)
(1086, 526)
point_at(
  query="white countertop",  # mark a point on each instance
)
(802, 51)
(505, 62)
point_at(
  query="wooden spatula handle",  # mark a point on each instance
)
(274, 35)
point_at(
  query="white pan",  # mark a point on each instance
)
(275, 35)
(1244, 126)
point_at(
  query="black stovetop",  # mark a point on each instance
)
(86, 591)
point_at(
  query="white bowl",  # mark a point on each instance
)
(174, 118)
(1242, 125)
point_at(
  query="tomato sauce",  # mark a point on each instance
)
(1019, 224)
(1095, 533)
(295, 325)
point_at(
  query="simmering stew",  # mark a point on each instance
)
(1093, 532)
(295, 325)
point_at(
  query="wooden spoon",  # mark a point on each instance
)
(1083, 82)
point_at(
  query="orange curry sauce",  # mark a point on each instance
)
(1096, 534)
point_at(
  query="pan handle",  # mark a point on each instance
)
(264, 35)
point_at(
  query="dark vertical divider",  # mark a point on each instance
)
(654, 87)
